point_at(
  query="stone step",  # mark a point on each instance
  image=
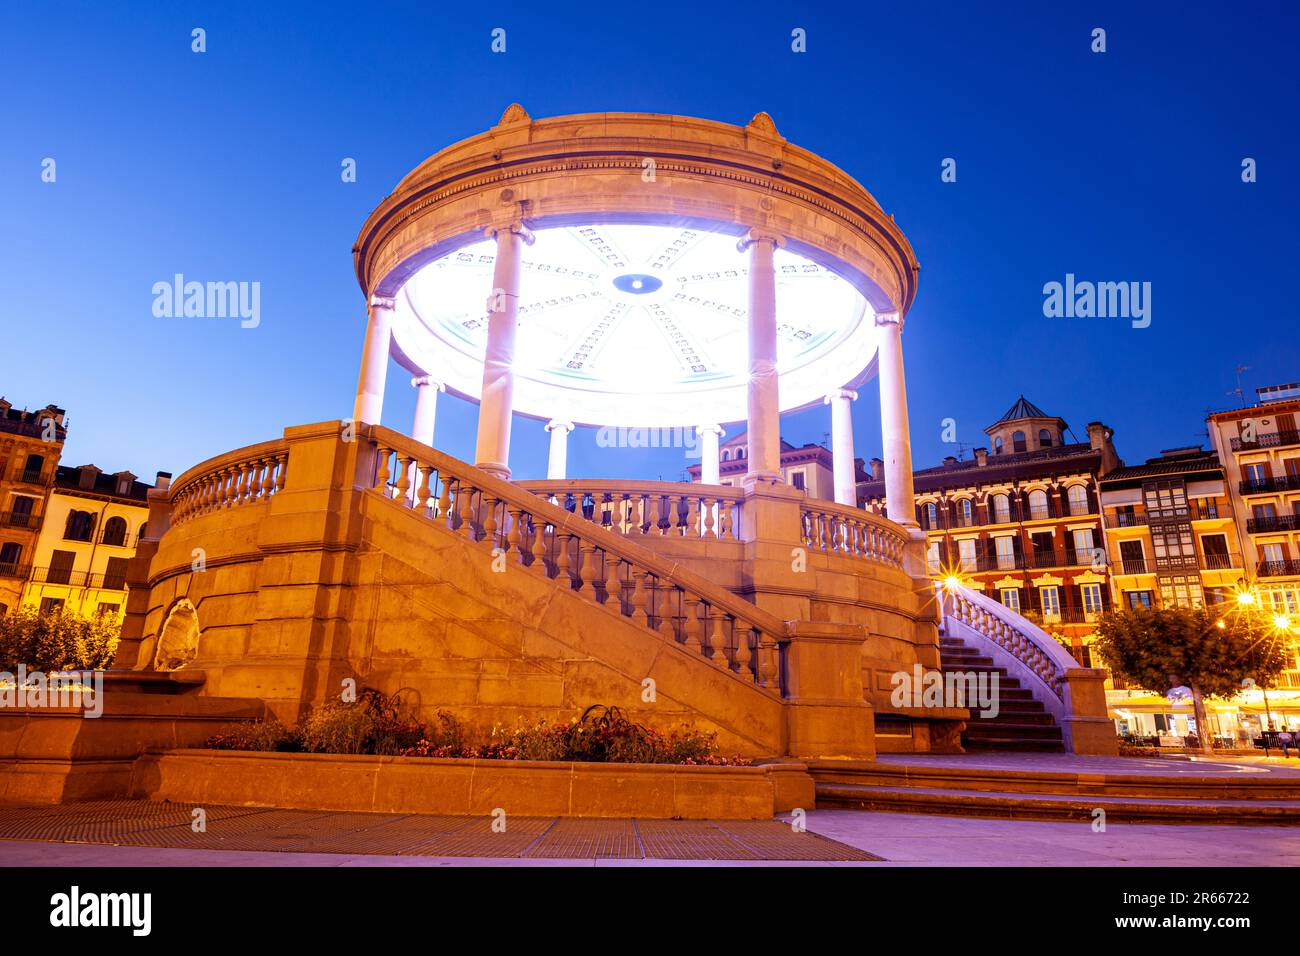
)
(975, 745)
(1036, 806)
(1004, 717)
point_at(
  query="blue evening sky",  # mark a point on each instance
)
(1124, 166)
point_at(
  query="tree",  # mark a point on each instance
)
(56, 640)
(1213, 651)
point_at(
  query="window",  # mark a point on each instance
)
(997, 445)
(1011, 598)
(1018, 440)
(115, 531)
(10, 554)
(1038, 505)
(1271, 553)
(1264, 513)
(32, 471)
(1050, 599)
(797, 479)
(61, 563)
(931, 512)
(1044, 438)
(1042, 541)
(1138, 599)
(1131, 558)
(49, 605)
(109, 610)
(1256, 473)
(1083, 547)
(966, 554)
(1215, 549)
(1181, 590)
(1091, 594)
(115, 574)
(80, 526)
(21, 514)
(1001, 509)
(1077, 496)
(965, 513)
(932, 558)
(726, 454)
(1005, 550)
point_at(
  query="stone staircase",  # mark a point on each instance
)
(1021, 724)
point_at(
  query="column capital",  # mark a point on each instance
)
(890, 318)
(424, 381)
(760, 235)
(845, 393)
(516, 226)
(710, 430)
(556, 424)
(385, 302)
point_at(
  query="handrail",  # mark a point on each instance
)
(648, 508)
(834, 528)
(601, 565)
(1022, 639)
(245, 475)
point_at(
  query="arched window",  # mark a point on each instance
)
(80, 526)
(1078, 498)
(115, 531)
(931, 515)
(140, 534)
(965, 513)
(1038, 505)
(740, 452)
(997, 445)
(726, 454)
(1018, 440)
(1044, 438)
(1001, 509)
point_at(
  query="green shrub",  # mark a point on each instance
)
(260, 735)
(56, 640)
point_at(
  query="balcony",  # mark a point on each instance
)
(117, 540)
(1135, 566)
(79, 579)
(1264, 486)
(13, 570)
(29, 477)
(1270, 440)
(20, 519)
(1221, 562)
(1066, 615)
(1124, 520)
(1273, 523)
(1278, 569)
(1029, 561)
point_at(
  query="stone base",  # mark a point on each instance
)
(472, 787)
(835, 729)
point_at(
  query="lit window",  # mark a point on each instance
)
(1091, 594)
(1011, 598)
(1078, 498)
(1051, 601)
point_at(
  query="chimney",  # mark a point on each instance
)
(1099, 437)
(949, 462)
(163, 481)
(981, 456)
(877, 469)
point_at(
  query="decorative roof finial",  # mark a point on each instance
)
(514, 114)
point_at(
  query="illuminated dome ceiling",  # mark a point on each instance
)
(635, 324)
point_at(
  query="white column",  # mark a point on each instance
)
(557, 464)
(894, 431)
(496, 405)
(846, 487)
(426, 407)
(374, 362)
(709, 435)
(764, 401)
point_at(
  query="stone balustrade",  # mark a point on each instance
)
(1034, 648)
(648, 508)
(241, 477)
(831, 528)
(599, 559)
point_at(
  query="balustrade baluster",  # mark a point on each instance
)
(717, 639)
(613, 586)
(691, 627)
(639, 598)
(743, 654)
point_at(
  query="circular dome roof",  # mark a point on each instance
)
(634, 296)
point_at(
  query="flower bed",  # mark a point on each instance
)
(378, 725)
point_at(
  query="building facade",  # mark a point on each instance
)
(1021, 523)
(30, 446)
(93, 522)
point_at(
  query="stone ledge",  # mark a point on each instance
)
(470, 787)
